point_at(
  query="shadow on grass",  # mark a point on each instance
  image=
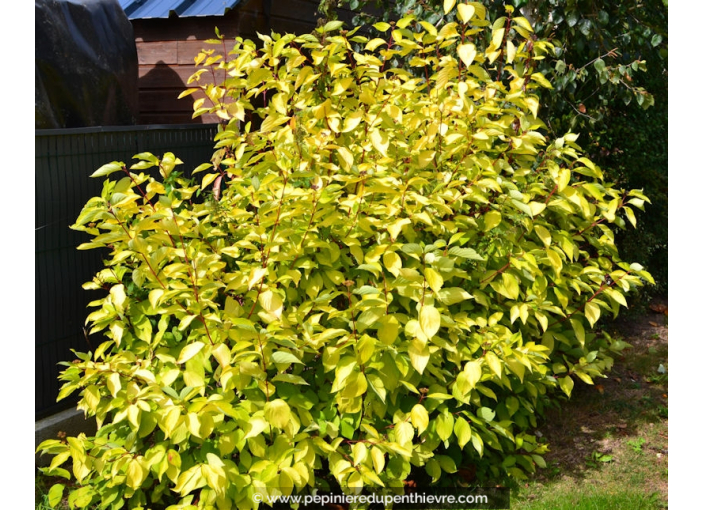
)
(609, 441)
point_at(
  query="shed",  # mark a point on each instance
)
(170, 33)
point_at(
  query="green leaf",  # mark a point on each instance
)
(55, 494)
(284, 357)
(255, 276)
(190, 480)
(447, 463)
(81, 498)
(463, 431)
(359, 453)
(453, 295)
(136, 474)
(290, 379)
(486, 414)
(467, 379)
(378, 459)
(510, 283)
(494, 363)
(256, 427)
(404, 433)
(432, 467)
(478, 444)
(544, 235)
(444, 425)
(599, 65)
(433, 278)
(539, 461)
(630, 215)
(466, 253)
(331, 26)
(566, 383)
(578, 330)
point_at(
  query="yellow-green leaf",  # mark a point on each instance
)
(578, 330)
(359, 453)
(419, 418)
(378, 459)
(494, 363)
(465, 12)
(566, 383)
(592, 311)
(419, 355)
(473, 369)
(429, 320)
(444, 424)
(510, 285)
(255, 276)
(467, 53)
(388, 329)
(136, 474)
(463, 431)
(189, 351)
(544, 234)
(277, 413)
(491, 220)
(434, 279)
(448, 5)
(404, 433)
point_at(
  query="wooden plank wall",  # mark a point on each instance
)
(166, 49)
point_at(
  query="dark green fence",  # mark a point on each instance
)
(64, 160)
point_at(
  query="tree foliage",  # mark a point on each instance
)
(609, 76)
(393, 270)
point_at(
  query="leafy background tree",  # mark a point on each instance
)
(609, 74)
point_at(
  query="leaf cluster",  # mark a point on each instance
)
(609, 76)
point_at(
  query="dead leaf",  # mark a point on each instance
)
(599, 388)
(659, 308)
(654, 324)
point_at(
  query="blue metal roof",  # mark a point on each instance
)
(140, 9)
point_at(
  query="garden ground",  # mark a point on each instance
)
(609, 442)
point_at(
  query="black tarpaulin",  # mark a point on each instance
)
(85, 64)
